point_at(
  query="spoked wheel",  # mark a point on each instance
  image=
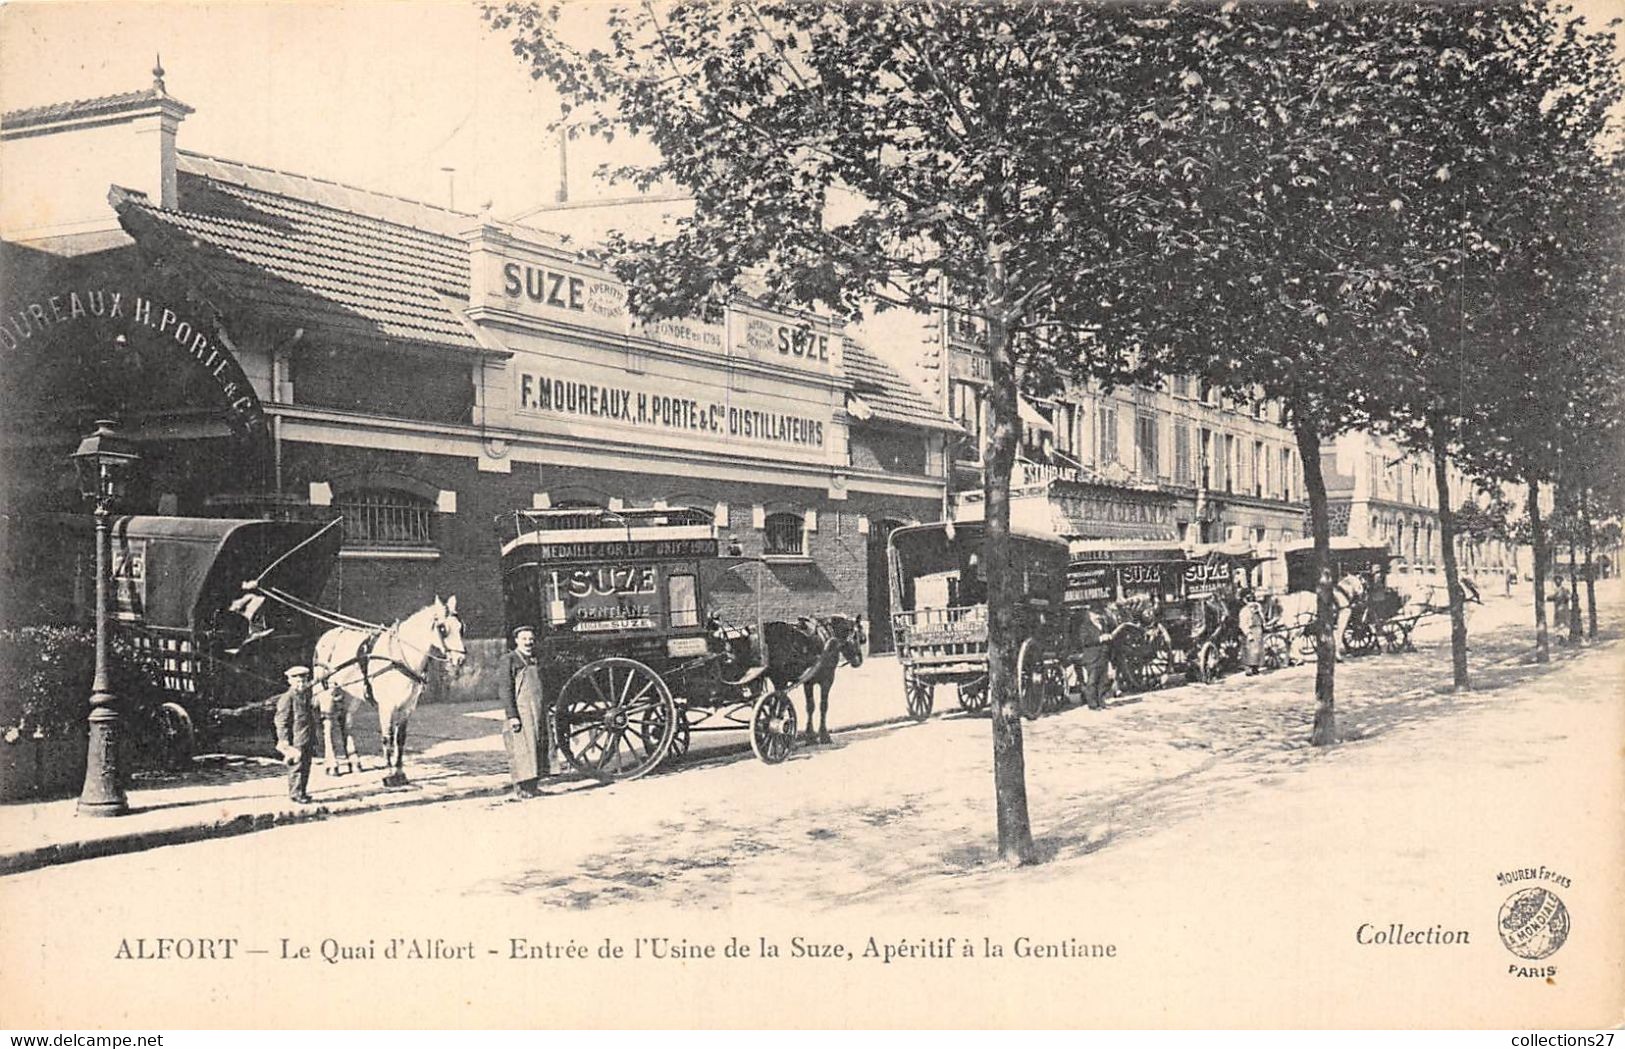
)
(1207, 663)
(655, 727)
(1303, 641)
(1396, 637)
(973, 694)
(1277, 651)
(918, 694)
(616, 719)
(1054, 688)
(1158, 663)
(773, 727)
(1030, 677)
(1358, 639)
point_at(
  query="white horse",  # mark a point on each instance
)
(383, 667)
(1300, 608)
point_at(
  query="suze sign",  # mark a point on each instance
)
(604, 598)
(545, 287)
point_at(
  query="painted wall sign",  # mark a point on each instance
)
(1085, 508)
(558, 291)
(963, 364)
(26, 326)
(652, 410)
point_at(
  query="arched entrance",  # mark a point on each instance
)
(880, 639)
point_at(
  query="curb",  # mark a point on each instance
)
(246, 823)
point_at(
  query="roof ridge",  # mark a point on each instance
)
(440, 212)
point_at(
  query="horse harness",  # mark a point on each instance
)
(363, 658)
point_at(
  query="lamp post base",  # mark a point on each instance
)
(103, 794)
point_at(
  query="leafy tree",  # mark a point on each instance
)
(1029, 156)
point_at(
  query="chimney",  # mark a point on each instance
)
(57, 163)
(563, 194)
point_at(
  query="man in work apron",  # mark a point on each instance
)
(524, 732)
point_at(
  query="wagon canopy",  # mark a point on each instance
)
(1349, 556)
(181, 572)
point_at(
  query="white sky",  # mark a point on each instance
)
(380, 95)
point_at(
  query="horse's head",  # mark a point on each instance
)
(447, 629)
(849, 636)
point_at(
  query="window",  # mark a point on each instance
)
(1205, 461)
(1145, 445)
(1182, 453)
(1066, 429)
(1107, 441)
(786, 535)
(1180, 385)
(380, 517)
(965, 405)
(1286, 473)
(1231, 463)
(1206, 393)
(682, 601)
(1259, 468)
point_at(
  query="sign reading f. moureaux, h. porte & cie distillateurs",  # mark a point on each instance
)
(785, 407)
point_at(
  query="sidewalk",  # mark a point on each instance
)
(453, 751)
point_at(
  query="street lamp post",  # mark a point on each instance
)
(104, 460)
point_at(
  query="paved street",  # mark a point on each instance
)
(1191, 828)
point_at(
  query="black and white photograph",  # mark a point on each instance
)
(812, 514)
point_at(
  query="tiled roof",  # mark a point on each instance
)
(883, 389)
(318, 261)
(85, 107)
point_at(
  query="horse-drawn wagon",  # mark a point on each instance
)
(1369, 608)
(176, 581)
(940, 615)
(1139, 590)
(635, 663)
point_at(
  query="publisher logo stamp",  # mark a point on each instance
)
(1533, 923)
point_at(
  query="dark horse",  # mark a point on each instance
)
(807, 653)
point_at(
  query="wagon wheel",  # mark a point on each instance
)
(176, 736)
(972, 694)
(1157, 664)
(655, 726)
(1358, 639)
(1208, 662)
(1030, 679)
(1396, 636)
(1303, 640)
(1277, 651)
(773, 727)
(918, 695)
(616, 719)
(1055, 694)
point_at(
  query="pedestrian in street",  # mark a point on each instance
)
(1560, 601)
(1250, 622)
(296, 722)
(1092, 657)
(524, 732)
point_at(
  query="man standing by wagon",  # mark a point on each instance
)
(524, 732)
(1092, 656)
(296, 732)
(1250, 623)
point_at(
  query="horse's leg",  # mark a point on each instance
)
(386, 735)
(330, 763)
(352, 757)
(400, 753)
(823, 709)
(807, 691)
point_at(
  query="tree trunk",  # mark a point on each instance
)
(1003, 578)
(1591, 571)
(1452, 575)
(1576, 626)
(1320, 525)
(1537, 543)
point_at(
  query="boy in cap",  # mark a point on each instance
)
(524, 730)
(296, 722)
